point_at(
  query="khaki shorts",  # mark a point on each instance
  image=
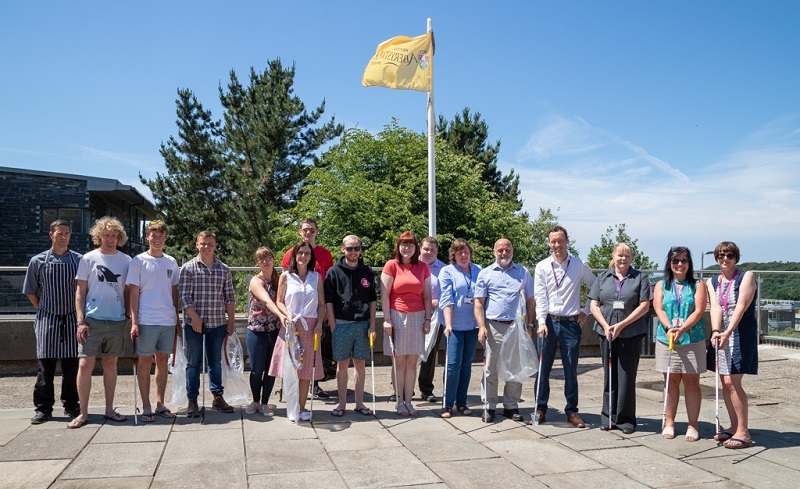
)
(106, 338)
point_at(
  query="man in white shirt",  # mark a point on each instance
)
(560, 317)
(100, 307)
(153, 281)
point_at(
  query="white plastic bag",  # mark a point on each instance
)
(178, 374)
(518, 358)
(235, 388)
(292, 362)
(430, 338)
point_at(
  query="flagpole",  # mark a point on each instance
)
(431, 153)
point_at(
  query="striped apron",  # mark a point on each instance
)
(56, 325)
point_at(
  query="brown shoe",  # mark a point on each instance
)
(576, 420)
(192, 410)
(220, 405)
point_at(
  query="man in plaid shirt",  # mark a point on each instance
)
(206, 295)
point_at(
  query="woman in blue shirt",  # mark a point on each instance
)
(456, 300)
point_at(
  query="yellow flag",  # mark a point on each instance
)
(402, 63)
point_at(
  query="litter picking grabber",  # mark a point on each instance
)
(372, 366)
(203, 385)
(394, 370)
(444, 382)
(716, 390)
(535, 416)
(313, 375)
(610, 379)
(485, 393)
(671, 338)
(135, 378)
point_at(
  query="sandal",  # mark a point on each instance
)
(464, 410)
(147, 417)
(446, 413)
(401, 409)
(115, 417)
(164, 412)
(411, 411)
(77, 423)
(669, 432)
(364, 411)
(691, 434)
(737, 443)
(337, 412)
(723, 436)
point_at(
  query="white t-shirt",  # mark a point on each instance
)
(155, 278)
(105, 276)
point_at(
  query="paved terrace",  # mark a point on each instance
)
(237, 450)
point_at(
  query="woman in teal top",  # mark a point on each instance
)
(680, 302)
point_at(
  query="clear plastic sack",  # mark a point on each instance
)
(518, 357)
(178, 371)
(292, 356)
(234, 387)
(430, 338)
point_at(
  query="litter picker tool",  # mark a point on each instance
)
(446, 357)
(716, 390)
(372, 366)
(610, 378)
(485, 392)
(394, 369)
(671, 338)
(313, 374)
(174, 346)
(535, 416)
(135, 378)
(203, 385)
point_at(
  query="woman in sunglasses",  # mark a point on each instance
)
(680, 302)
(734, 331)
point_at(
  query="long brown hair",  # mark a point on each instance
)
(406, 237)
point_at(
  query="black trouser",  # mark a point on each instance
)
(44, 391)
(625, 362)
(426, 369)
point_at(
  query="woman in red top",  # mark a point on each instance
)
(406, 294)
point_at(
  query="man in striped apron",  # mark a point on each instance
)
(50, 286)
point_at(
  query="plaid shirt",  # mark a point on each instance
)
(207, 290)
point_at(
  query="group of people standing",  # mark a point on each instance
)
(82, 303)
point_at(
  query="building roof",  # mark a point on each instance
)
(106, 187)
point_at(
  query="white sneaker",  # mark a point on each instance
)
(305, 416)
(252, 408)
(265, 410)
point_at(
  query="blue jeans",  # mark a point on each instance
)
(460, 350)
(194, 353)
(567, 335)
(260, 346)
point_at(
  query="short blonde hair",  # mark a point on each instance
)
(620, 246)
(108, 223)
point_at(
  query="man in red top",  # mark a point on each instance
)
(324, 261)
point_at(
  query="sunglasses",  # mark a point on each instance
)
(677, 261)
(352, 248)
(729, 256)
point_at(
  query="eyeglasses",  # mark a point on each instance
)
(676, 261)
(266, 259)
(352, 248)
(406, 245)
(303, 253)
(728, 255)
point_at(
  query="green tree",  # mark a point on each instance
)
(253, 161)
(600, 254)
(192, 193)
(469, 134)
(375, 186)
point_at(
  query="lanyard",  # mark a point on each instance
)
(678, 297)
(467, 278)
(555, 276)
(723, 292)
(619, 283)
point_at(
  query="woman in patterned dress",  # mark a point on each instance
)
(734, 330)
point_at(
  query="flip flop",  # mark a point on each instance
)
(738, 443)
(723, 436)
(115, 417)
(338, 412)
(77, 423)
(147, 417)
(365, 411)
(164, 412)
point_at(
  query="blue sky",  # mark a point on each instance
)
(680, 119)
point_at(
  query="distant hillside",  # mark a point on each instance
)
(784, 287)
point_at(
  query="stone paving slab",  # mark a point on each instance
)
(214, 420)
(650, 467)
(47, 444)
(538, 457)
(287, 456)
(300, 480)
(382, 467)
(119, 460)
(158, 430)
(31, 474)
(10, 428)
(587, 439)
(363, 434)
(440, 443)
(275, 428)
(750, 471)
(594, 478)
(201, 459)
(465, 474)
(116, 483)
